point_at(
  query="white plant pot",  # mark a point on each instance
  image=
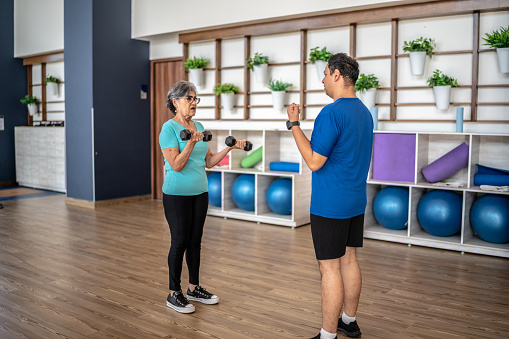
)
(278, 100)
(417, 61)
(196, 76)
(52, 88)
(368, 97)
(32, 109)
(228, 101)
(260, 72)
(503, 59)
(442, 96)
(320, 67)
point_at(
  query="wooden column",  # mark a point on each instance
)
(475, 68)
(247, 75)
(44, 99)
(394, 69)
(218, 77)
(30, 91)
(303, 71)
(185, 53)
(353, 40)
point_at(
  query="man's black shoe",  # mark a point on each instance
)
(351, 330)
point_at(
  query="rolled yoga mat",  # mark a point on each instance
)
(491, 176)
(253, 158)
(447, 165)
(284, 166)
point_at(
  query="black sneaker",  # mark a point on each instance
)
(179, 303)
(202, 295)
(351, 330)
(319, 336)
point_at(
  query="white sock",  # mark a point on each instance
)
(326, 335)
(346, 319)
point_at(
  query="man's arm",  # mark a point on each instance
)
(314, 160)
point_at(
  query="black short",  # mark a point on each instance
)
(332, 236)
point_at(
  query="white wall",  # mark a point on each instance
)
(38, 27)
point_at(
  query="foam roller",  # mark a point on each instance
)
(447, 165)
(253, 158)
(284, 166)
(491, 179)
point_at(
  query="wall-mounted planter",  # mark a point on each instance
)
(320, 67)
(503, 59)
(278, 100)
(228, 101)
(196, 76)
(52, 88)
(32, 109)
(417, 62)
(368, 97)
(261, 72)
(442, 96)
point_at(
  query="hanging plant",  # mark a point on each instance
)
(365, 82)
(278, 85)
(30, 100)
(440, 79)
(420, 45)
(257, 60)
(319, 55)
(225, 88)
(196, 62)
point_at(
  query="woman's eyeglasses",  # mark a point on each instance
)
(191, 99)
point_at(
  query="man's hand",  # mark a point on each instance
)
(293, 112)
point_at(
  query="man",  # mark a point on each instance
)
(339, 155)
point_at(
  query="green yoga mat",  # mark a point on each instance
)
(253, 158)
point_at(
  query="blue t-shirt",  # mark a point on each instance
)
(343, 132)
(192, 179)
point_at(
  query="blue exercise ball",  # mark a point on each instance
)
(489, 217)
(214, 179)
(279, 196)
(243, 192)
(439, 213)
(390, 207)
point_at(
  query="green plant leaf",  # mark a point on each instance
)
(440, 79)
(28, 100)
(278, 85)
(365, 82)
(420, 45)
(257, 60)
(51, 78)
(315, 54)
(196, 62)
(225, 88)
(498, 38)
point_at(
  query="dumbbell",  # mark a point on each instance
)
(185, 134)
(231, 141)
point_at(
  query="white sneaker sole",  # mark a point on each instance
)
(181, 309)
(212, 301)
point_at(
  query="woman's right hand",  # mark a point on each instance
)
(196, 136)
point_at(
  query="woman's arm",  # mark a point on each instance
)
(212, 159)
(178, 160)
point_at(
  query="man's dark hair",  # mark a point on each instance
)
(347, 66)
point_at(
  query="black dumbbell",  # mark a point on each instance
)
(185, 134)
(231, 141)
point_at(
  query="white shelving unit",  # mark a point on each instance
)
(40, 157)
(278, 145)
(485, 149)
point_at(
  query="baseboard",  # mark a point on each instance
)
(8, 183)
(94, 204)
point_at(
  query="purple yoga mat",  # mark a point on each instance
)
(394, 157)
(447, 165)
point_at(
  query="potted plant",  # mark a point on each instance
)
(31, 102)
(442, 84)
(52, 84)
(500, 40)
(367, 86)
(195, 66)
(418, 49)
(278, 88)
(259, 64)
(227, 93)
(319, 58)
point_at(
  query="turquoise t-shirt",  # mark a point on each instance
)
(343, 132)
(192, 179)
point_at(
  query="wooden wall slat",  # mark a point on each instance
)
(475, 67)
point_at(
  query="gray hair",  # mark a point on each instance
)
(179, 90)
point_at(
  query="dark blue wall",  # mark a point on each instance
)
(78, 49)
(104, 70)
(11, 92)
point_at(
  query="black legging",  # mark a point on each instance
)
(186, 218)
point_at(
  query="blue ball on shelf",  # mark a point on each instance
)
(390, 207)
(214, 180)
(243, 192)
(279, 196)
(489, 217)
(439, 213)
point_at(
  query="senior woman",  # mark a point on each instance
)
(185, 193)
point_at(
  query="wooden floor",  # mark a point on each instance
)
(75, 272)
